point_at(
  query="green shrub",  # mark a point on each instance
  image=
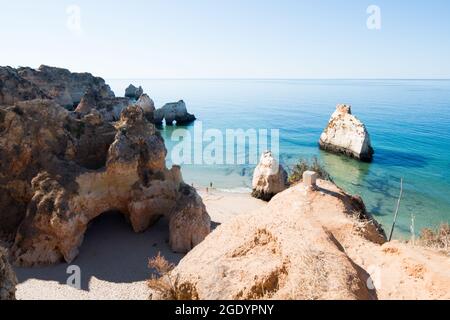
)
(308, 165)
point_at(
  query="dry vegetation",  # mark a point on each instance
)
(308, 165)
(164, 285)
(438, 239)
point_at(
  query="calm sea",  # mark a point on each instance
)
(408, 120)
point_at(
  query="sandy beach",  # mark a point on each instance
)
(113, 259)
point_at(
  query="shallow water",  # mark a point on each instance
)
(408, 121)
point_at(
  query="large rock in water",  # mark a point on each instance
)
(293, 248)
(175, 111)
(133, 93)
(347, 135)
(8, 280)
(65, 87)
(57, 173)
(269, 178)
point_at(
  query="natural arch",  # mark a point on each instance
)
(135, 182)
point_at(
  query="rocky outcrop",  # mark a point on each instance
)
(109, 108)
(60, 169)
(293, 248)
(269, 178)
(57, 173)
(133, 93)
(347, 135)
(147, 104)
(171, 112)
(63, 86)
(8, 280)
(14, 88)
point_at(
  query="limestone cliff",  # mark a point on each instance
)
(8, 280)
(61, 169)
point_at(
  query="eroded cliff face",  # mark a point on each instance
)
(60, 169)
(293, 248)
(14, 88)
(308, 242)
(8, 280)
(63, 86)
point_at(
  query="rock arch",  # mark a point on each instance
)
(135, 181)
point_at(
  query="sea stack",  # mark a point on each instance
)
(133, 92)
(345, 134)
(269, 178)
(174, 111)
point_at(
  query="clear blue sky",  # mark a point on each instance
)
(231, 38)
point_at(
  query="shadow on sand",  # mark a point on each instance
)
(112, 252)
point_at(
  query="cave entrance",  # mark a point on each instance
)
(113, 252)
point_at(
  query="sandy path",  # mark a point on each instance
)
(113, 259)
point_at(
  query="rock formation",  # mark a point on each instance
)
(347, 135)
(293, 248)
(46, 169)
(110, 108)
(14, 88)
(8, 280)
(65, 87)
(133, 93)
(171, 112)
(147, 105)
(61, 169)
(269, 178)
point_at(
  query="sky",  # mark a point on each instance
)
(264, 39)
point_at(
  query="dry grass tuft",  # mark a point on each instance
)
(165, 285)
(439, 239)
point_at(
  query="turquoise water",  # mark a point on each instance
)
(408, 121)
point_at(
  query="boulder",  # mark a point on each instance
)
(290, 249)
(65, 87)
(8, 280)
(269, 178)
(57, 173)
(175, 111)
(347, 135)
(133, 93)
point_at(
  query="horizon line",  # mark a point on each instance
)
(284, 79)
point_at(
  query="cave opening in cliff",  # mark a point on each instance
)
(112, 243)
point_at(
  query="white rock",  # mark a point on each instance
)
(269, 178)
(347, 135)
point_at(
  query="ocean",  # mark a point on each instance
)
(408, 121)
